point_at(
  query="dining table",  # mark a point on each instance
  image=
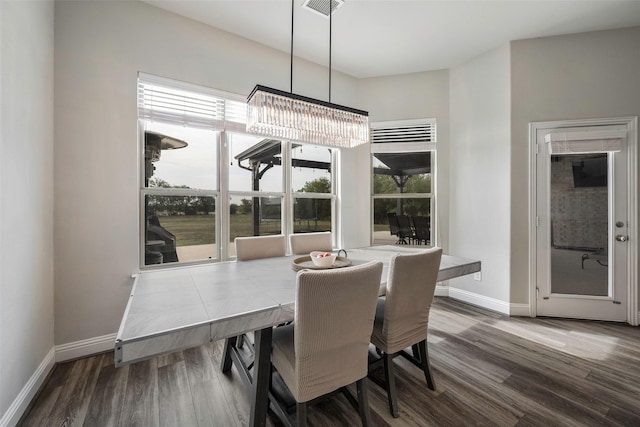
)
(178, 308)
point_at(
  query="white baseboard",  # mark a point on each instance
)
(510, 309)
(442, 291)
(480, 300)
(22, 401)
(59, 353)
(521, 310)
(74, 350)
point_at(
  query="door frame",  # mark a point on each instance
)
(632, 205)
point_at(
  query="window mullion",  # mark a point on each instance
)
(287, 214)
(222, 217)
(335, 202)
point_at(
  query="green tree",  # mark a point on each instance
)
(159, 183)
(320, 185)
(176, 205)
(319, 209)
(384, 184)
(418, 184)
(245, 206)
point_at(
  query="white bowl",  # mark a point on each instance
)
(326, 261)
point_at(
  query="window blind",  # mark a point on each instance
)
(607, 141)
(403, 131)
(192, 106)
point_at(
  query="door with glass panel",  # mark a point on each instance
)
(582, 224)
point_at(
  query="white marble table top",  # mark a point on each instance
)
(185, 307)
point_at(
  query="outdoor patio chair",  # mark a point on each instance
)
(405, 233)
(421, 229)
(394, 228)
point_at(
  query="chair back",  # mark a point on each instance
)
(421, 227)
(257, 247)
(404, 226)
(304, 243)
(393, 223)
(410, 288)
(334, 315)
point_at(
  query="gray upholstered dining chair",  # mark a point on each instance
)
(256, 247)
(304, 243)
(402, 317)
(326, 347)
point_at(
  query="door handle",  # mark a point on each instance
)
(621, 238)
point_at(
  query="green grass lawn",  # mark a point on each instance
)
(190, 229)
(200, 229)
(380, 227)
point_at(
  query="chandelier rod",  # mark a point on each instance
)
(291, 49)
(330, 22)
(291, 62)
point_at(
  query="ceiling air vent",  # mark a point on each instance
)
(403, 131)
(321, 7)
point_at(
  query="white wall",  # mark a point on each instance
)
(26, 203)
(354, 193)
(410, 96)
(578, 76)
(479, 172)
(99, 48)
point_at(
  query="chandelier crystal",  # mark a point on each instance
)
(279, 114)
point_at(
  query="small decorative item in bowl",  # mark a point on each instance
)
(322, 259)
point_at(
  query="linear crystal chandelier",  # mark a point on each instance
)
(285, 115)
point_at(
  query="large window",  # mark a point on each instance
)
(312, 188)
(179, 192)
(403, 196)
(256, 193)
(204, 182)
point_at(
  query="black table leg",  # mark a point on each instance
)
(261, 377)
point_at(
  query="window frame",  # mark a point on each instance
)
(408, 147)
(221, 195)
(335, 152)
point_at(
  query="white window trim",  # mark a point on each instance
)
(409, 147)
(222, 194)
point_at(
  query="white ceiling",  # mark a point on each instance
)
(386, 37)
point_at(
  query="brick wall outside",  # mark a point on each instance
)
(579, 216)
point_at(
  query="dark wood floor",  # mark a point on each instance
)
(489, 370)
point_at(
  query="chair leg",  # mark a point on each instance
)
(363, 402)
(416, 351)
(390, 381)
(301, 414)
(426, 366)
(225, 365)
